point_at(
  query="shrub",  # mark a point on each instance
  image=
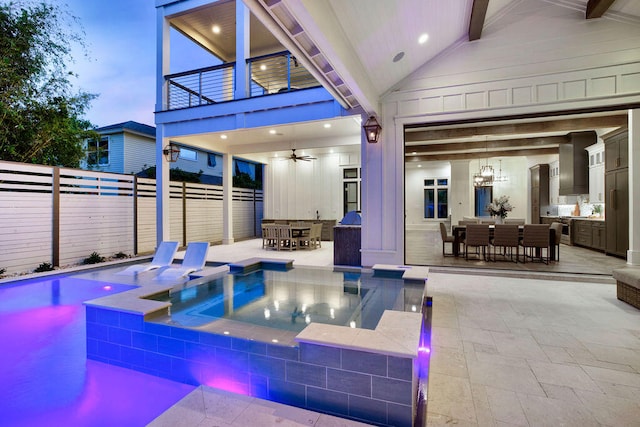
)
(94, 258)
(2, 270)
(121, 255)
(45, 266)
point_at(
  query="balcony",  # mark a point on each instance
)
(269, 74)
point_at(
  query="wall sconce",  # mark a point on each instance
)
(171, 153)
(372, 129)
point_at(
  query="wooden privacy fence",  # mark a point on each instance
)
(60, 215)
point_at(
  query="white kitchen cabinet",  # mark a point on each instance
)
(596, 172)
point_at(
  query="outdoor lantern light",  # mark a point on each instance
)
(372, 129)
(171, 153)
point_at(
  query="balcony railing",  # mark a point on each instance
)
(270, 74)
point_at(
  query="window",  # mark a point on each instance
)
(98, 152)
(212, 160)
(188, 154)
(247, 174)
(351, 187)
(436, 198)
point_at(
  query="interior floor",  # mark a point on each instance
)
(424, 247)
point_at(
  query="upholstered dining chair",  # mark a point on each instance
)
(446, 238)
(557, 228)
(477, 236)
(506, 237)
(535, 239)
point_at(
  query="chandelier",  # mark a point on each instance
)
(485, 177)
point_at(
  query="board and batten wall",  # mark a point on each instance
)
(534, 58)
(97, 212)
(297, 190)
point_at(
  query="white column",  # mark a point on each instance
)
(633, 254)
(383, 194)
(162, 188)
(461, 191)
(242, 50)
(227, 199)
(162, 166)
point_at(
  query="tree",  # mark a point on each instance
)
(40, 118)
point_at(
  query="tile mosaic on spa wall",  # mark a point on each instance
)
(359, 385)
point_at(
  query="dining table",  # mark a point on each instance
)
(459, 230)
(299, 230)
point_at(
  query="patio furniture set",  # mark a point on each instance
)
(290, 237)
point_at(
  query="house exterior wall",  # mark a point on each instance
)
(532, 64)
(300, 189)
(139, 152)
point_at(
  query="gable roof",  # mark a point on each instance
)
(130, 126)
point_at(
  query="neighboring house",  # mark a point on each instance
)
(130, 147)
(539, 71)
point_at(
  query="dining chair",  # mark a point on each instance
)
(488, 221)
(516, 221)
(270, 237)
(477, 236)
(315, 236)
(535, 239)
(557, 229)
(446, 238)
(285, 237)
(506, 237)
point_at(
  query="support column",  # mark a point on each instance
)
(162, 166)
(162, 188)
(461, 197)
(227, 199)
(633, 254)
(242, 51)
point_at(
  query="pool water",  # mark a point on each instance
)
(290, 300)
(46, 377)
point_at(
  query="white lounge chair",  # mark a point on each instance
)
(194, 260)
(163, 257)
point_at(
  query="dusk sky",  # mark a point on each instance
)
(121, 44)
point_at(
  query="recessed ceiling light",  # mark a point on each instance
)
(414, 152)
(215, 29)
(419, 166)
(398, 56)
(423, 38)
(223, 136)
(263, 67)
(327, 125)
(272, 131)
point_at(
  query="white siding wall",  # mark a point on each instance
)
(296, 190)
(139, 153)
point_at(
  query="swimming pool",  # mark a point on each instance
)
(46, 377)
(265, 304)
(369, 375)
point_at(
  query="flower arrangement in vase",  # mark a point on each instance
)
(500, 207)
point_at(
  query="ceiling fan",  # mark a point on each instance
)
(295, 157)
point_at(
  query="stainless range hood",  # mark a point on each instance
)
(574, 163)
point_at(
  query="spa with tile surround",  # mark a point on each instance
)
(368, 375)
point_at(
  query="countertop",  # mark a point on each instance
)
(582, 218)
